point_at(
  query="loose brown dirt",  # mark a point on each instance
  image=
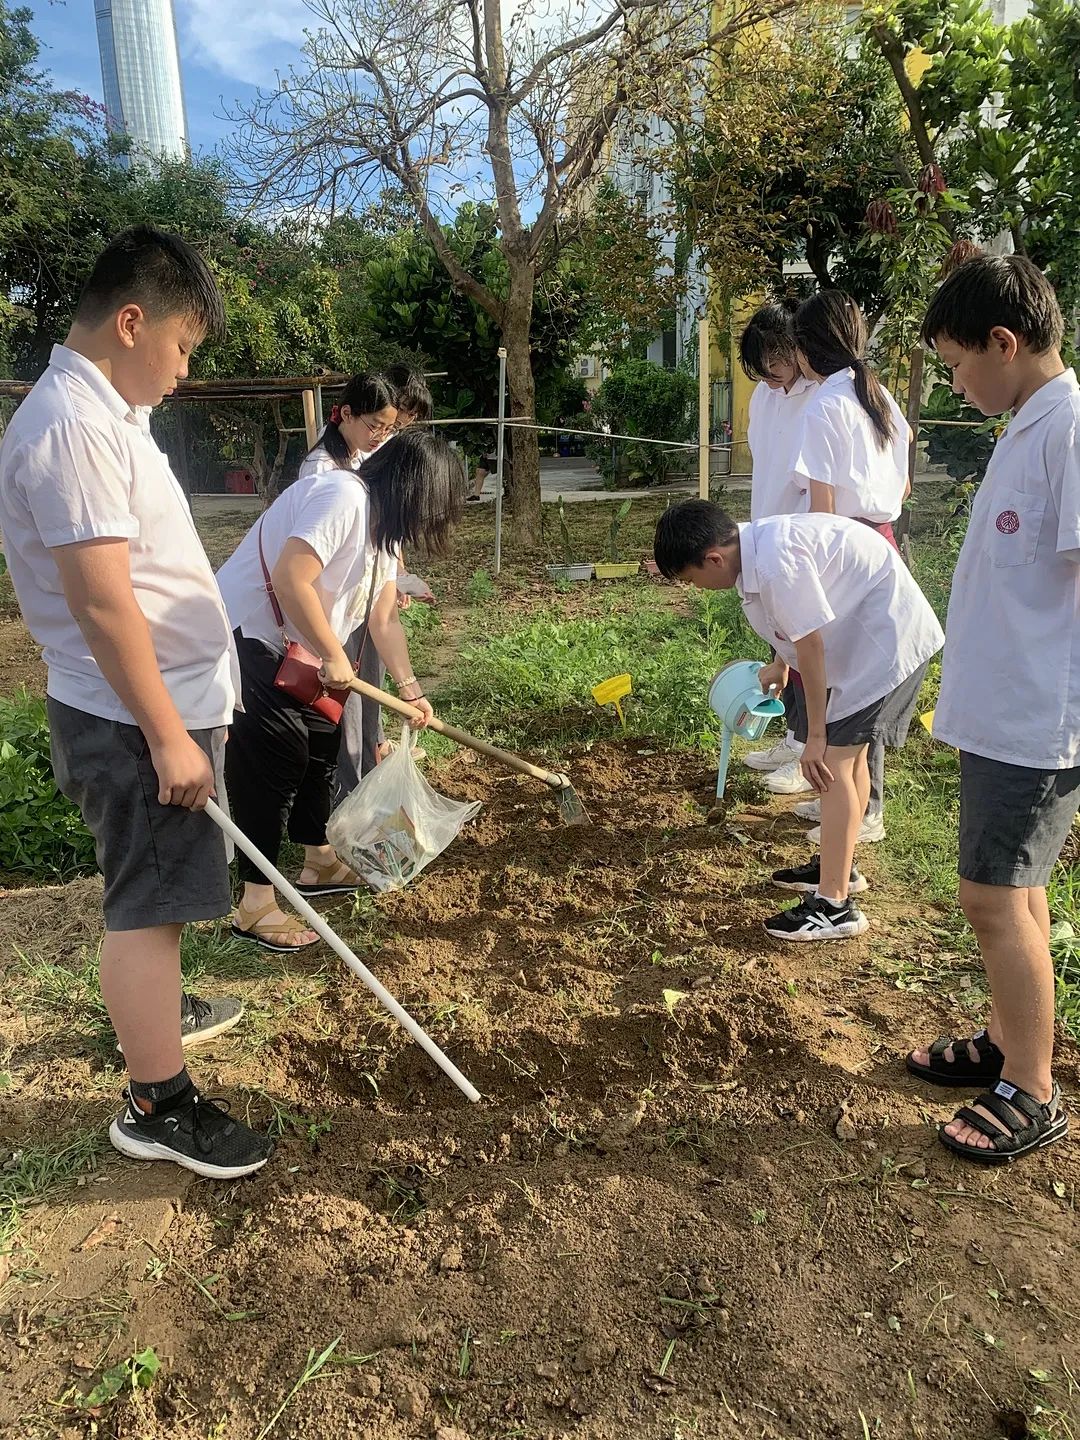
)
(701, 1197)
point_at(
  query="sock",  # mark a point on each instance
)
(836, 904)
(153, 1097)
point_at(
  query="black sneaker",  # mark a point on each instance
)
(817, 919)
(202, 1020)
(806, 878)
(198, 1134)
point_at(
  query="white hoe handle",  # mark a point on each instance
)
(319, 925)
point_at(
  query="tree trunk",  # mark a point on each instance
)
(524, 492)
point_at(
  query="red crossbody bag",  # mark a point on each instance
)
(298, 674)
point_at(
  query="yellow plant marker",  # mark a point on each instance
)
(927, 722)
(610, 692)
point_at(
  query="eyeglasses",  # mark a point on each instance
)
(376, 427)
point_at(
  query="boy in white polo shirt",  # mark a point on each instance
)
(1010, 692)
(767, 354)
(114, 584)
(833, 597)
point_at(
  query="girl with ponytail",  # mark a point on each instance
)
(851, 460)
(852, 457)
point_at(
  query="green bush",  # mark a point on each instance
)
(639, 398)
(964, 450)
(41, 833)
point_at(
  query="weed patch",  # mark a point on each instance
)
(41, 833)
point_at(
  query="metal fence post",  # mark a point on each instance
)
(703, 407)
(500, 448)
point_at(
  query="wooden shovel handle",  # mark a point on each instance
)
(460, 737)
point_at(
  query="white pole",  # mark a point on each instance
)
(703, 407)
(319, 410)
(500, 449)
(318, 924)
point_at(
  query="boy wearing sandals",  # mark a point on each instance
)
(113, 582)
(1010, 692)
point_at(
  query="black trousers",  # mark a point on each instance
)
(361, 724)
(279, 762)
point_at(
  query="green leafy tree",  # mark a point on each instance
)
(640, 398)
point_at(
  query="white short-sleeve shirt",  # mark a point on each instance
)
(773, 434)
(328, 508)
(77, 463)
(838, 446)
(802, 573)
(1010, 676)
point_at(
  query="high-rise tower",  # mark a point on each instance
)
(140, 71)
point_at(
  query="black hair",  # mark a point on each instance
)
(413, 395)
(365, 394)
(991, 290)
(417, 485)
(769, 336)
(831, 332)
(686, 531)
(157, 271)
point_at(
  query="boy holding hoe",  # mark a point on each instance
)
(1010, 693)
(114, 584)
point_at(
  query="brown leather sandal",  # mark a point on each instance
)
(333, 879)
(258, 933)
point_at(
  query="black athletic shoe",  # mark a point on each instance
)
(202, 1020)
(817, 919)
(806, 878)
(199, 1134)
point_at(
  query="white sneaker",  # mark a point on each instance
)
(871, 829)
(787, 780)
(773, 759)
(807, 809)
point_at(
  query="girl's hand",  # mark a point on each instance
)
(813, 765)
(337, 671)
(403, 601)
(424, 707)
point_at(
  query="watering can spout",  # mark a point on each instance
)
(743, 707)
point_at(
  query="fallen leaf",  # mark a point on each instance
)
(102, 1231)
(672, 998)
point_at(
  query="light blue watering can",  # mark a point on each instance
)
(744, 709)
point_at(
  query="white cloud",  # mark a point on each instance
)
(242, 42)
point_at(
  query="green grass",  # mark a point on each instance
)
(538, 677)
(39, 1172)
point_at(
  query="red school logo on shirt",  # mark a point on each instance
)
(1008, 522)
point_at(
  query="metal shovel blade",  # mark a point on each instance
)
(571, 809)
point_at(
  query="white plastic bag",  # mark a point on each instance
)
(394, 823)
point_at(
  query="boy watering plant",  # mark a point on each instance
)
(1010, 692)
(113, 583)
(835, 599)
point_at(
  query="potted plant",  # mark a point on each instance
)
(613, 568)
(568, 570)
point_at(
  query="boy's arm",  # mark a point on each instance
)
(96, 579)
(810, 654)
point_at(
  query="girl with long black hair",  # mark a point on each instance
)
(330, 544)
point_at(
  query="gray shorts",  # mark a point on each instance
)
(163, 865)
(1013, 820)
(886, 721)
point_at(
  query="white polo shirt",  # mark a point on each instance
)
(773, 434)
(77, 463)
(1010, 677)
(327, 507)
(802, 573)
(838, 446)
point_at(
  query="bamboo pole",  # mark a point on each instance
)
(310, 427)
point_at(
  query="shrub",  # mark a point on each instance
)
(964, 450)
(41, 833)
(639, 398)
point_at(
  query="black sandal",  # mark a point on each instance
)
(960, 1071)
(1013, 1107)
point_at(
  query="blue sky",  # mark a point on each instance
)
(227, 47)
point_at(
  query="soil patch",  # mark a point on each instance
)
(701, 1197)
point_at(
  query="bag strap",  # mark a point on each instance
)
(279, 618)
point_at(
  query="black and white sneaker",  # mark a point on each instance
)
(818, 919)
(198, 1134)
(202, 1020)
(807, 878)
